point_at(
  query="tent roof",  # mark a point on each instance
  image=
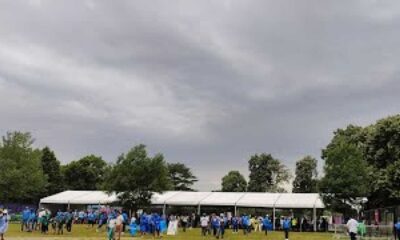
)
(258, 199)
(80, 197)
(267, 200)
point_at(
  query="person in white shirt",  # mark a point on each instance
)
(204, 220)
(119, 224)
(352, 225)
(112, 222)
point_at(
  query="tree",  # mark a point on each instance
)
(306, 176)
(21, 175)
(52, 170)
(346, 175)
(135, 177)
(266, 174)
(382, 151)
(382, 146)
(181, 177)
(234, 182)
(84, 174)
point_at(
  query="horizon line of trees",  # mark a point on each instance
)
(358, 162)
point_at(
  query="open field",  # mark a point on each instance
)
(80, 232)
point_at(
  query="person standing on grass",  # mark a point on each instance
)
(265, 224)
(352, 226)
(118, 224)
(4, 218)
(223, 221)
(235, 224)
(204, 224)
(111, 225)
(286, 227)
(216, 224)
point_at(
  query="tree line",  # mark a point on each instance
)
(29, 173)
(358, 162)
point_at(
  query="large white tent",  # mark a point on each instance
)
(177, 198)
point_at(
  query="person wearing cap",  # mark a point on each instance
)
(3, 223)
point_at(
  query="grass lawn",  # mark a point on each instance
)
(80, 232)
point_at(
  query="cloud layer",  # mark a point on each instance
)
(207, 83)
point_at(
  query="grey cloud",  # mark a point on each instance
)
(206, 83)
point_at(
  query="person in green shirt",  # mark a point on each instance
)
(361, 229)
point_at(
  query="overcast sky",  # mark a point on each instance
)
(206, 83)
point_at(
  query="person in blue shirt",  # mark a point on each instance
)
(245, 224)
(60, 220)
(91, 219)
(126, 220)
(25, 218)
(68, 220)
(223, 223)
(397, 228)
(286, 227)
(32, 220)
(235, 224)
(102, 220)
(216, 225)
(266, 223)
(143, 224)
(3, 222)
(156, 220)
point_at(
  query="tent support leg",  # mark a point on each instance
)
(315, 219)
(235, 211)
(199, 210)
(164, 209)
(273, 219)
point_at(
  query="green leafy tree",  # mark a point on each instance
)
(234, 182)
(266, 174)
(135, 177)
(306, 176)
(383, 142)
(21, 175)
(182, 178)
(382, 151)
(346, 175)
(84, 174)
(52, 170)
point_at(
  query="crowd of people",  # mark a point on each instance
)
(116, 222)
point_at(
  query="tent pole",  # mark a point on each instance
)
(198, 210)
(235, 210)
(164, 209)
(315, 218)
(273, 218)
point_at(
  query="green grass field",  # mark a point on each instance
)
(80, 232)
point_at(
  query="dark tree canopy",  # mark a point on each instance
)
(266, 174)
(346, 176)
(182, 178)
(52, 170)
(233, 182)
(84, 174)
(21, 175)
(306, 176)
(135, 177)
